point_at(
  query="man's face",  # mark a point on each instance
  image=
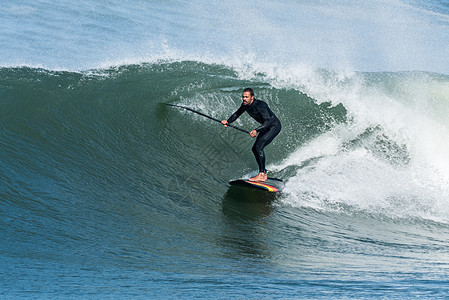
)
(247, 98)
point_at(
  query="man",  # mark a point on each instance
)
(266, 132)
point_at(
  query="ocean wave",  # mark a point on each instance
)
(363, 140)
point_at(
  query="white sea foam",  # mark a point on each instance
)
(389, 157)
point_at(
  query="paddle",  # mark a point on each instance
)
(204, 115)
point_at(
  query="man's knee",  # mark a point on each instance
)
(254, 149)
(257, 149)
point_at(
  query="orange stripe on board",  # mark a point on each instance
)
(268, 187)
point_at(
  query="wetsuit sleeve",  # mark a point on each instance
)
(237, 114)
(266, 117)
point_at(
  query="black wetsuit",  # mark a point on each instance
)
(269, 128)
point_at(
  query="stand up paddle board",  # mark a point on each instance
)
(273, 185)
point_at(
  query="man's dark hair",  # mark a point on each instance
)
(250, 90)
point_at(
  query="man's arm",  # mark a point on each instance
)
(234, 116)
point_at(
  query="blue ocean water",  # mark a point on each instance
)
(105, 192)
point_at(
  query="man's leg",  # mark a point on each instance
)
(258, 149)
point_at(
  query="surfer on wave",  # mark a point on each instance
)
(269, 128)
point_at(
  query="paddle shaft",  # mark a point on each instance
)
(209, 117)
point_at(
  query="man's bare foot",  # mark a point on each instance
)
(261, 177)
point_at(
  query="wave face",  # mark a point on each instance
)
(100, 178)
(107, 192)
